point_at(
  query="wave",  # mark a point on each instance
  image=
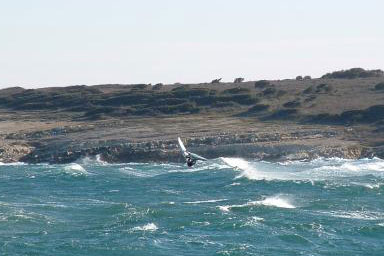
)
(259, 170)
(140, 172)
(13, 164)
(318, 169)
(278, 201)
(245, 167)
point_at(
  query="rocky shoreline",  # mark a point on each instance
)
(301, 145)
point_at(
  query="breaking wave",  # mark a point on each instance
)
(75, 169)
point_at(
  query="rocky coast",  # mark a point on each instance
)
(265, 120)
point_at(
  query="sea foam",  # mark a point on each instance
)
(150, 227)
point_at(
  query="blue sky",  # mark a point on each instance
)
(60, 43)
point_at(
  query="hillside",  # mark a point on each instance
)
(45, 124)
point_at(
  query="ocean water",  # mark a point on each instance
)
(226, 206)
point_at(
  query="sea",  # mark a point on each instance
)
(225, 206)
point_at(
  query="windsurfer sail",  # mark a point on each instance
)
(190, 158)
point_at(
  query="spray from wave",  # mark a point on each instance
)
(246, 169)
(75, 169)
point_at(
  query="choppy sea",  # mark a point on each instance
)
(226, 206)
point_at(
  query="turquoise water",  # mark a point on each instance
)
(226, 206)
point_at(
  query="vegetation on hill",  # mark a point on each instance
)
(137, 101)
(325, 101)
(355, 73)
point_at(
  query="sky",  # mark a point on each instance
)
(59, 43)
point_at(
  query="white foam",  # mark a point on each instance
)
(13, 164)
(359, 215)
(236, 163)
(92, 161)
(273, 201)
(312, 171)
(246, 169)
(206, 201)
(75, 169)
(140, 173)
(363, 165)
(98, 160)
(258, 170)
(225, 208)
(253, 221)
(276, 201)
(368, 185)
(150, 227)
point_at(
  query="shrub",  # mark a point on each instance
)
(379, 86)
(238, 80)
(216, 81)
(170, 101)
(157, 87)
(299, 78)
(292, 104)
(182, 93)
(354, 73)
(182, 108)
(269, 91)
(323, 88)
(236, 90)
(205, 100)
(224, 104)
(262, 84)
(258, 108)
(140, 86)
(283, 114)
(243, 99)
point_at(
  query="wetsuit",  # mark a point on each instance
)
(190, 161)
